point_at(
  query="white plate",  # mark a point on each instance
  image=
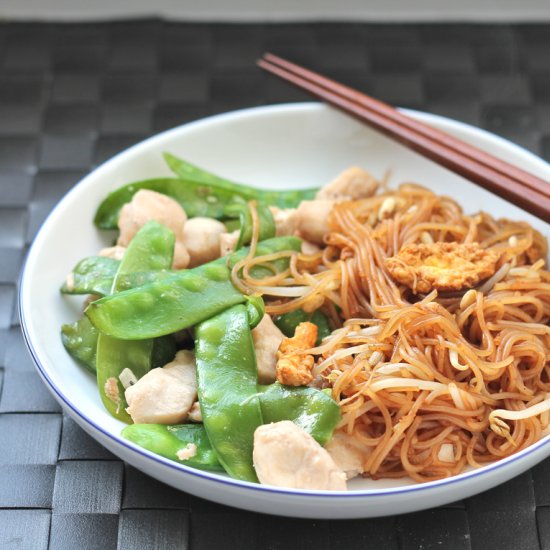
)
(284, 145)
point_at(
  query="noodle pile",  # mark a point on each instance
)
(427, 384)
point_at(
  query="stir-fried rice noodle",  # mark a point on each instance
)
(427, 384)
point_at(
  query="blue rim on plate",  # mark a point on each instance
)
(420, 487)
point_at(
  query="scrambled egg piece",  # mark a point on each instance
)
(294, 367)
(442, 266)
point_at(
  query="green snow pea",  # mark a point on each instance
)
(282, 199)
(314, 411)
(92, 275)
(288, 322)
(177, 302)
(241, 210)
(95, 274)
(166, 441)
(196, 198)
(152, 249)
(80, 340)
(227, 389)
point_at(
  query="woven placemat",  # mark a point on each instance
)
(71, 96)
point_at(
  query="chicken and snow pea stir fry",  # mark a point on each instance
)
(186, 351)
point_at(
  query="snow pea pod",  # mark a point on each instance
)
(227, 389)
(152, 248)
(166, 441)
(166, 306)
(282, 199)
(80, 340)
(100, 282)
(92, 275)
(177, 302)
(288, 322)
(196, 198)
(311, 409)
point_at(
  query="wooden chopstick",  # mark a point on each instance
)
(499, 177)
(428, 131)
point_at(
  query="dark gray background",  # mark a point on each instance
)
(73, 95)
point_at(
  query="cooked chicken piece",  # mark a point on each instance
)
(294, 366)
(164, 395)
(195, 414)
(352, 184)
(286, 220)
(149, 205)
(201, 238)
(267, 339)
(313, 219)
(287, 456)
(115, 252)
(228, 242)
(442, 266)
(347, 453)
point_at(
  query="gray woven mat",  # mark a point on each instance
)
(72, 96)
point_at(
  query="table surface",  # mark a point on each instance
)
(71, 96)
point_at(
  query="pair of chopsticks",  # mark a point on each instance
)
(501, 178)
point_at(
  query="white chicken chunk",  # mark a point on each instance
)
(164, 395)
(352, 184)
(286, 220)
(149, 205)
(201, 238)
(287, 456)
(267, 338)
(313, 219)
(228, 242)
(347, 453)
